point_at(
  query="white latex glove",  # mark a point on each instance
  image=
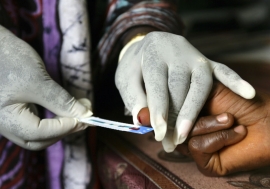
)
(24, 82)
(177, 78)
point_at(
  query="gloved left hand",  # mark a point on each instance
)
(24, 82)
(177, 79)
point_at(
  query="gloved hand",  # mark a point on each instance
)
(24, 82)
(177, 79)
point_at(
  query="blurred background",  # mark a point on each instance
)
(228, 29)
(236, 33)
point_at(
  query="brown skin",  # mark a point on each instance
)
(250, 153)
(212, 135)
(207, 142)
(144, 117)
(219, 152)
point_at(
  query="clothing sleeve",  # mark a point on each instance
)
(123, 15)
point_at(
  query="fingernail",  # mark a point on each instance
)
(222, 118)
(239, 129)
(167, 142)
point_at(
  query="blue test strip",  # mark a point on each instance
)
(96, 121)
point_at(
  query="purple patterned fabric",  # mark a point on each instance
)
(36, 21)
(52, 42)
(51, 39)
(54, 156)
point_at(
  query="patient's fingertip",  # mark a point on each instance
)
(144, 116)
(222, 118)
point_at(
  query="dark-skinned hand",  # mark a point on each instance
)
(219, 151)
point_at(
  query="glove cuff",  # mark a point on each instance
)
(135, 39)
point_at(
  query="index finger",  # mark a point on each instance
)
(213, 123)
(155, 74)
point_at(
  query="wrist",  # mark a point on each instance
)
(132, 36)
(135, 39)
(137, 31)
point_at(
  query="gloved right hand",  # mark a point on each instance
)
(177, 80)
(24, 82)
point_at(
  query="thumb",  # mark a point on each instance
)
(85, 102)
(25, 125)
(56, 99)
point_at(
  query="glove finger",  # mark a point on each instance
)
(201, 83)
(130, 85)
(55, 128)
(232, 80)
(204, 149)
(167, 142)
(178, 84)
(85, 102)
(29, 127)
(56, 99)
(39, 145)
(156, 84)
(30, 145)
